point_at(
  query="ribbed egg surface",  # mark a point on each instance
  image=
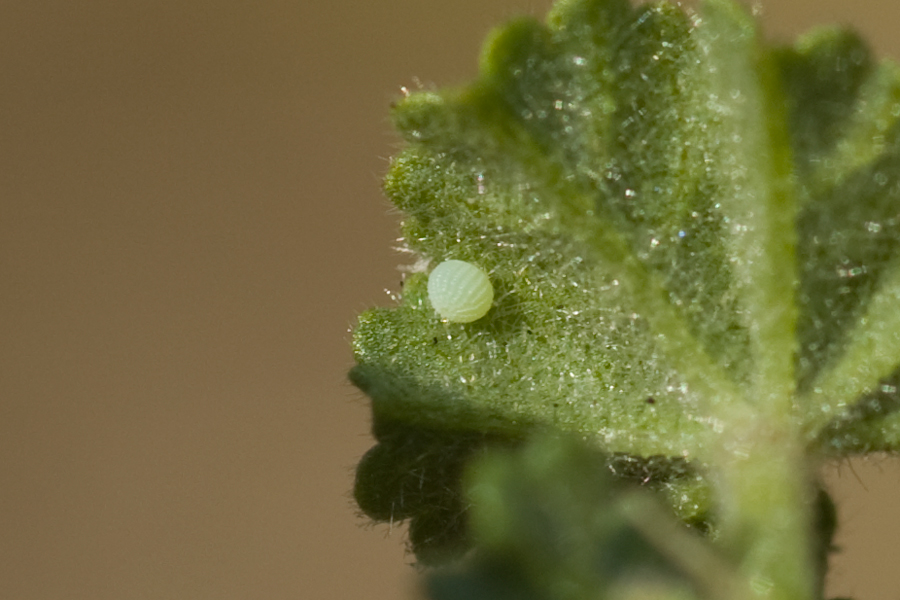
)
(460, 291)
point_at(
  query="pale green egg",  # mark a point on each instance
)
(460, 291)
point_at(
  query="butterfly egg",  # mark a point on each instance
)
(460, 291)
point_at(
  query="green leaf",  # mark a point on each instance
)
(548, 525)
(844, 118)
(693, 241)
(871, 425)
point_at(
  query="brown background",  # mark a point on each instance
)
(190, 218)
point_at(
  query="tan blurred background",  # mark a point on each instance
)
(190, 218)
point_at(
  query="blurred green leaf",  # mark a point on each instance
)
(548, 525)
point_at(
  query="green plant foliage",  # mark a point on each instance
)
(550, 522)
(549, 525)
(693, 239)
